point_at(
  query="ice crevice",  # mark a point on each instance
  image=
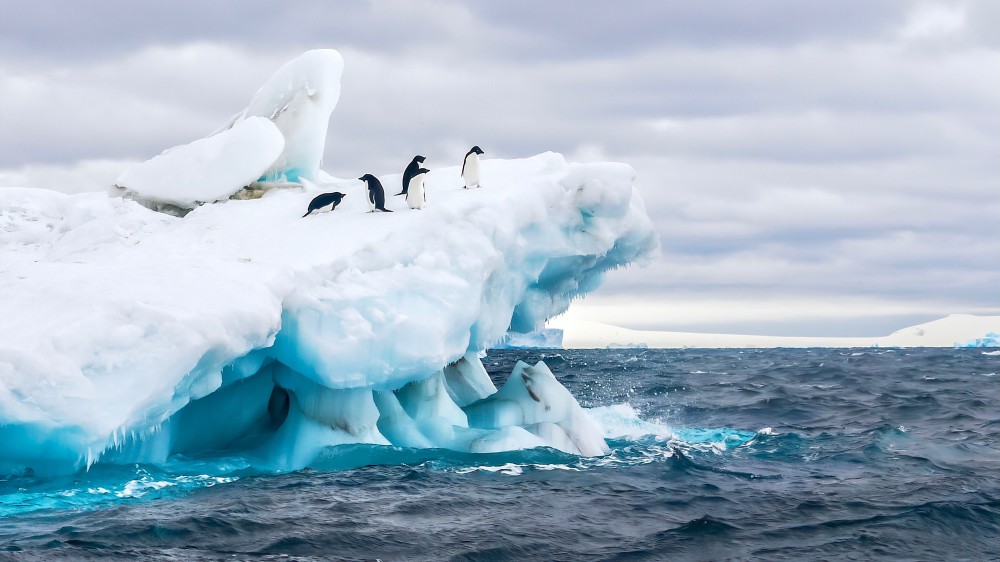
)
(129, 335)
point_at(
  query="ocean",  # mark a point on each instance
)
(754, 454)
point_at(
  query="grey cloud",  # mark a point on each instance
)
(530, 30)
(569, 29)
(69, 29)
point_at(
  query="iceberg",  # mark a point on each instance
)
(548, 338)
(954, 330)
(991, 339)
(131, 335)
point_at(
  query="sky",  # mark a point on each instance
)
(812, 168)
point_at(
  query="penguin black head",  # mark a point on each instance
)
(475, 149)
(369, 179)
(418, 158)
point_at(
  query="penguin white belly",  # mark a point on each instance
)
(415, 193)
(371, 201)
(471, 173)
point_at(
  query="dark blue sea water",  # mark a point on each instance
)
(751, 455)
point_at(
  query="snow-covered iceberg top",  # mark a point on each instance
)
(132, 334)
(279, 137)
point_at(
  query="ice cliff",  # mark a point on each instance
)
(130, 335)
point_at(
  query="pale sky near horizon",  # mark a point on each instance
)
(812, 168)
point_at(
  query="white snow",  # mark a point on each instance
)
(127, 332)
(209, 169)
(956, 330)
(279, 137)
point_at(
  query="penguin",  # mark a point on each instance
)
(324, 199)
(415, 194)
(409, 172)
(376, 194)
(470, 167)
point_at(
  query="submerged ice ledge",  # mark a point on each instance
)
(133, 335)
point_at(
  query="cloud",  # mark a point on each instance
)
(82, 176)
(930, 21)
(600, 28)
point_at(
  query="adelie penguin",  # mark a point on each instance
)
(376, 194)
(470, 167)
(324, 199)
(410, 171)
(415, 194)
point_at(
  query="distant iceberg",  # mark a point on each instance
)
(991, 339)
(130, 335)
(548, 338)
(949, 331)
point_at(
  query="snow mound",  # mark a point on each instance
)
(207, 170)
(130, 335)
(279, 137)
